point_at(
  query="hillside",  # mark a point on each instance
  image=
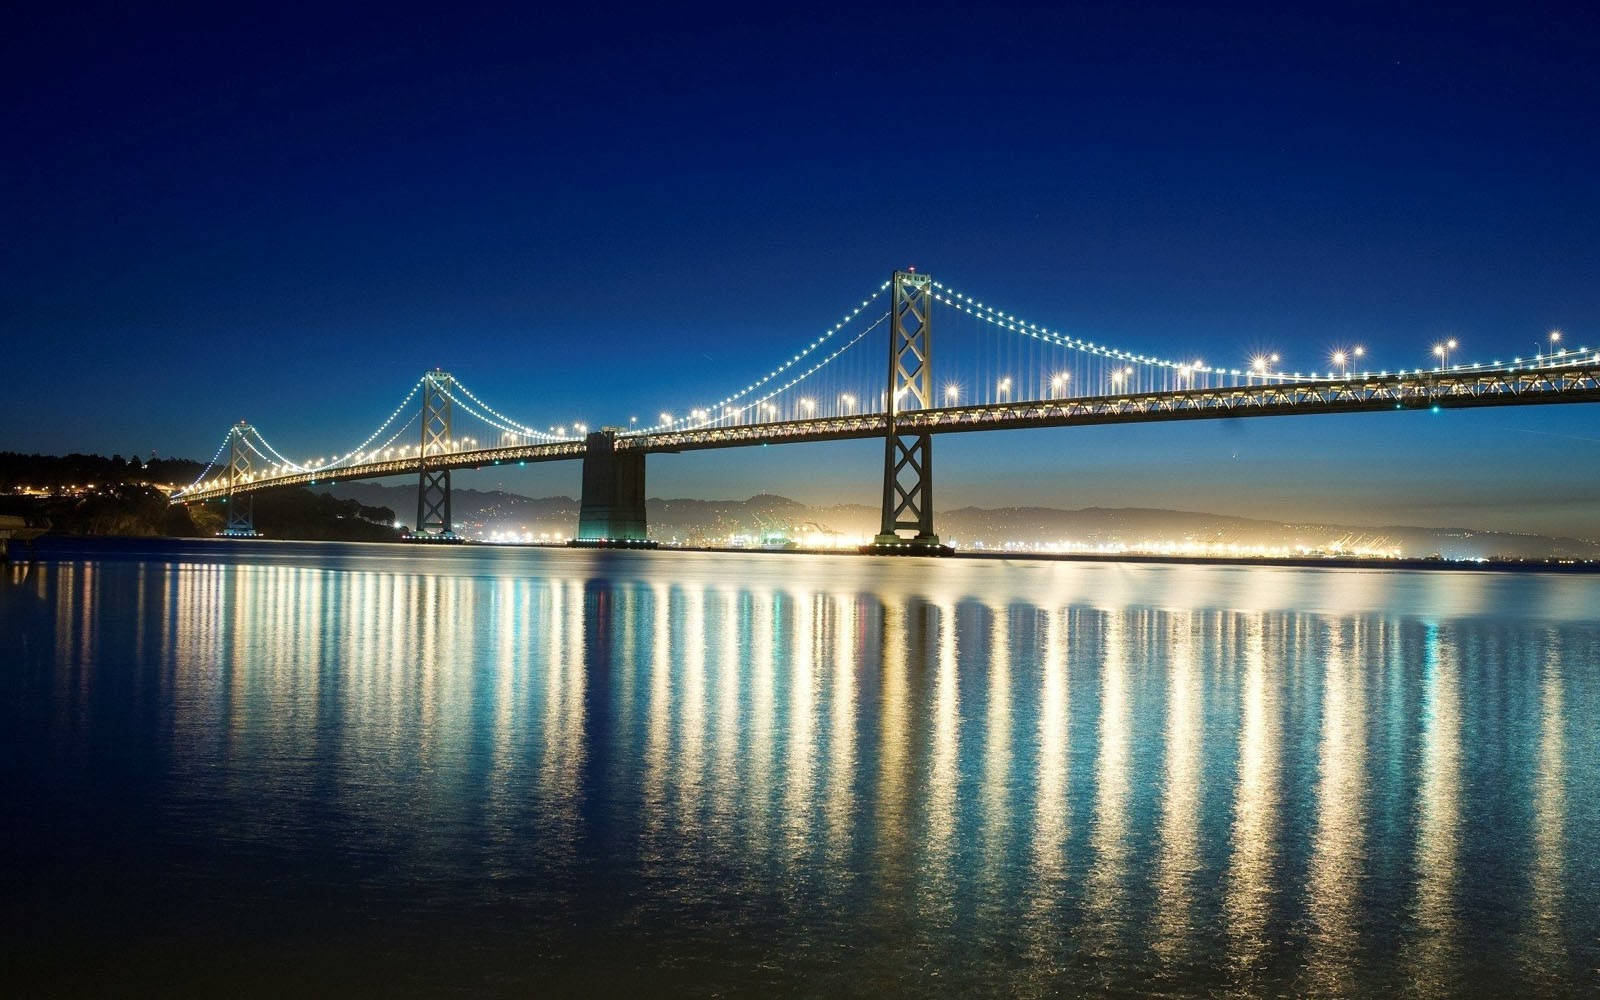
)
(481, 513)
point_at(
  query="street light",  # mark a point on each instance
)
(1555, 338)
(809, 406)
(1059, 381)
(1341, 360)
(1003, 386)
(952, 393)
(1442, 351)
(845, 402)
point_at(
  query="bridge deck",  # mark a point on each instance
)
(1571, 383)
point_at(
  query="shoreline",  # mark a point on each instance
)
(50, 546)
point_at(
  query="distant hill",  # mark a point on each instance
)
(714, 521)
(95, 495)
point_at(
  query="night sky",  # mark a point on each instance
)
(287, 216)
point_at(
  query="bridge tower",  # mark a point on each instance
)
(908, 458)
(241, 506)
(433, 487)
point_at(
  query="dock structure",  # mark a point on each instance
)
(19, 528)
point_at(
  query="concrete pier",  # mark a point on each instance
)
(612, 514)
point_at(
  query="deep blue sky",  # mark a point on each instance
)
(287, 215)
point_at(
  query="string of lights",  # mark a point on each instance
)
(816, 367)
(395, 436)
(371, 437)
(226, 438)
(286, 463)
(755, 404)
(1010, 321)
(518, 428)
(780, 369)
(506, 428)
(245, 438)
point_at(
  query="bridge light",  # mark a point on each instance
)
(666, 418)
(809, 406)
(952, 393)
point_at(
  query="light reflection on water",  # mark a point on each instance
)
(507, 770)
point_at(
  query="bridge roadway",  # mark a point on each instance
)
(1569, 382)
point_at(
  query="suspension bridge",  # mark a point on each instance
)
(996, 372)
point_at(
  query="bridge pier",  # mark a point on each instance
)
(908, 458)
(612, 514)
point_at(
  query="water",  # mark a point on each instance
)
(269, 767)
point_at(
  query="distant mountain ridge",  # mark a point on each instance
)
(714, 521)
